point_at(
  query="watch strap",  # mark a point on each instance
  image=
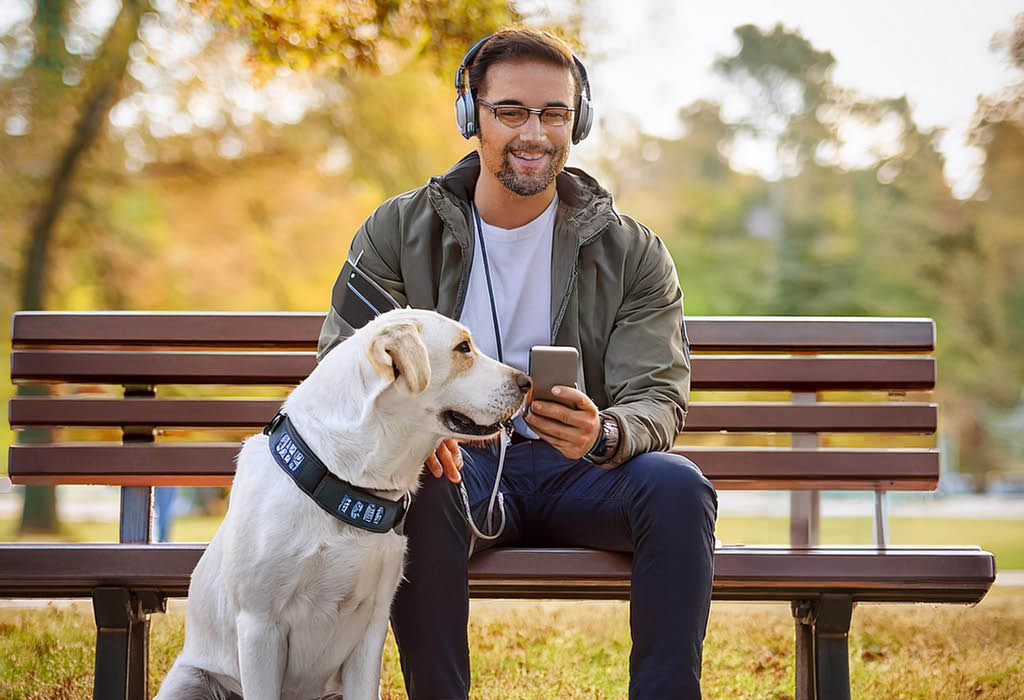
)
(607, 443)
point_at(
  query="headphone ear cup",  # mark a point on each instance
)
(584, 120)
(465, 114)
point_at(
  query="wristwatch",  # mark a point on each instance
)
(607, 440)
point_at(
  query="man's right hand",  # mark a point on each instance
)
(446, 460)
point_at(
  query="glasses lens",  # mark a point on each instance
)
(554, 116)
(512, 116)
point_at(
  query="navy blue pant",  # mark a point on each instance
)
(657, 505)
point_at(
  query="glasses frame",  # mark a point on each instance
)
(529, 110)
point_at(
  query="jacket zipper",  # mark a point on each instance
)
(572, 282)
(466, 270)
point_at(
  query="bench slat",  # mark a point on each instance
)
(300, 330)
(212, 464)
(715, 372)
(947, 574)
(254, 413)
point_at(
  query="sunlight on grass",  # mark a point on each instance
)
(1004, 538)
(528, 650)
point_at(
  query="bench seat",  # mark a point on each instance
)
(867, 574)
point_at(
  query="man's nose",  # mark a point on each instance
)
(532, 129)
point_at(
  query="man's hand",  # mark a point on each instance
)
(446, 460)
(572, 429)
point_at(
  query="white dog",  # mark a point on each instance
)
(289, 602)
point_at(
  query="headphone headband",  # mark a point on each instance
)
(465, 104)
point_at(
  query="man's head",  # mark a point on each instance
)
(535, 70)
(518, 46)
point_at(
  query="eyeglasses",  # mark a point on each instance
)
(514, 116)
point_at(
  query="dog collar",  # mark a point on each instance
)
(338, 498)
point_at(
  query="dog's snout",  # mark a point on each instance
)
(523, 382)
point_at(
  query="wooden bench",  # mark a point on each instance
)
(130, 392)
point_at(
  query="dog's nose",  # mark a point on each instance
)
(523, 381)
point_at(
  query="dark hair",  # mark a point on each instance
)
(518, 45)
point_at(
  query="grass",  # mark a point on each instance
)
(528, 650)
(580, 649)
(1004, 538)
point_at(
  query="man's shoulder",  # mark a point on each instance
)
(627, 225)
(404, 201)
(593, 204)
(629, 233)
(402, 215)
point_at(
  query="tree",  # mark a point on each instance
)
(842, 233)
(326, 35)
(78, 85)
(995, 238)
(48, 72)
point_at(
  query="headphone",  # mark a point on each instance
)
(465, 105)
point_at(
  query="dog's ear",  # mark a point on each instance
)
(398, 350)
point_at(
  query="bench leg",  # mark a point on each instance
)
(803, 614)
(122, 642)
(822, 647)
(832, 647)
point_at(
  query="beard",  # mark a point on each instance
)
(529, 185)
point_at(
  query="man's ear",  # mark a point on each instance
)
(398, 350)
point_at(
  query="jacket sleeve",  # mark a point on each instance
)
(647, 361)
(378, 250)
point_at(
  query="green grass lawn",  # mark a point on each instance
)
(581, 649)
(530, 650)
(1004, 538)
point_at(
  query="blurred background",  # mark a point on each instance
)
(797, 158)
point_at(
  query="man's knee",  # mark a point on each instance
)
(673, 487)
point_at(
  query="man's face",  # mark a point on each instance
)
(525, 159)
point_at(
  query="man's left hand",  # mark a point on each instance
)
(571, 427)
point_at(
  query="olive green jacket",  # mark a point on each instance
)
(614, 292)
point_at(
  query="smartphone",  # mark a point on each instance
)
(358, 299)
(550, 366)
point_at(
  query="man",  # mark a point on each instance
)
(527, 253)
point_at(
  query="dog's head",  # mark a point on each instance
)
(435, 377)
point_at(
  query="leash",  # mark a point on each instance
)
(496, 496)
(506, 434)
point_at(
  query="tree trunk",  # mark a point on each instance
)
(39, 508)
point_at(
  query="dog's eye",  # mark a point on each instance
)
(464, 347)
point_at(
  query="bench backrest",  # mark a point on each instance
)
(778, 403)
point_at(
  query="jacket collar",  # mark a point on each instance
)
(586, 204)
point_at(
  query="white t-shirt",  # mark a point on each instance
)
(519, 261)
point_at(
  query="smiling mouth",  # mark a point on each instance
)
(464, 425)
(529, 156)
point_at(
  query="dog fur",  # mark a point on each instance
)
(289, 603)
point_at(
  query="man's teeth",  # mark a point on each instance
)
(527, 156)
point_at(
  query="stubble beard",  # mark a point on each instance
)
(527, 185)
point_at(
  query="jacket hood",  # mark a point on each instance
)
(588, 205)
